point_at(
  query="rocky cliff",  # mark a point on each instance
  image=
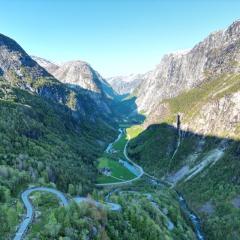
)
(219, 117)
(20, 70)
(48, 65)
(177, 72)
(16, 65)
(78, 73)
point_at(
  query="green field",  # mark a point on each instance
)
(134, 131)
(119, 172)
(106, 179)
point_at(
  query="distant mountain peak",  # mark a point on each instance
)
(125, 84)
(78, 73)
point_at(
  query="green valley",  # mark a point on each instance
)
(123, 151)
(211, 189)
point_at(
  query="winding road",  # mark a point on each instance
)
(30, 211)
(23, 227)
(63, 201)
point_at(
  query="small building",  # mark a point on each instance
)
(105, 171)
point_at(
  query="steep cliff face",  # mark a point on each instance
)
(78, 73)
(212, 108)
(126, 84)
(218, 53)
(199, 156)
(220, 117)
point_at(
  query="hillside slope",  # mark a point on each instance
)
(191, 138)
(181, 71)
(18, 68)
(50, 133)
(202, 158)
(79, 73)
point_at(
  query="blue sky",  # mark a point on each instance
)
(116, 37)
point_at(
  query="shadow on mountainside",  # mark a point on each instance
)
(206, 169)
(84, 102)
(127, 110)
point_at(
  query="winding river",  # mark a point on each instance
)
(194, 218)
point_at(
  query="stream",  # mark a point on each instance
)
(182, 202)
(192, 217)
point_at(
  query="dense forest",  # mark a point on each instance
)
(42, 144)
(147, 213)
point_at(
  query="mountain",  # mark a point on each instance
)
(51, 133)
(21, 70)
(191, 135)
(177, 72)
(78, 73)
(49, 66)
(125, 84)
(16, 65)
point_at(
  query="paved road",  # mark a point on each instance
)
(30, 211)
(111, 206)
(23, 227)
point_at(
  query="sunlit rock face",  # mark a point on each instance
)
(75, 84)
(16, 64)
(49, 66)
(217, 54)
(78, 73)
(220, 117)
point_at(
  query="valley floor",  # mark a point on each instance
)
(155, 207)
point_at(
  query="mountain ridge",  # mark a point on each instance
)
(79, 73)
(216, 54)
(192, 129)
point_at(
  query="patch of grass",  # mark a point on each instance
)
(190, 102)
(106, 179)
(118, 170)
(134, 131)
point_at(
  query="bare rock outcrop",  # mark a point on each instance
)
(217, 54)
